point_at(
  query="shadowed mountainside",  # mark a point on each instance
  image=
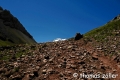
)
(11, 30)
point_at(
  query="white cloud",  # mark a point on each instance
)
(58, 39)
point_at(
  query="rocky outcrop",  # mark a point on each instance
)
(117, 17)
(78, 36)
(12, 30)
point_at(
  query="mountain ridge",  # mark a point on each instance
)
(12, 31)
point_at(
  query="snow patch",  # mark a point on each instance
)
(58, 39)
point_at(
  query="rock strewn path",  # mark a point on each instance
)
(57, 61)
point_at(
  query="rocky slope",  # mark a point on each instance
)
(96, 56)
(11, 30)
(59, 62)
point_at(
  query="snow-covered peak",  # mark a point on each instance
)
(58, 39)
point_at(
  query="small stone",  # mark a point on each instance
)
(72, 56)
(114, 70)
(44, 71)
(23, 55)
(69, 47)
(94, 58)
(73, 66)
(37, 67)
(99, 48)
(16, 64)
(59, 65)
(68, 72)
(119, 66)
(77, 54)
(28, 71)
(31, 74)
(44, 60)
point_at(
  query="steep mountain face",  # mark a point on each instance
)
(11, 30)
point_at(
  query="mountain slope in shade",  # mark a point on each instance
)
(12, 31)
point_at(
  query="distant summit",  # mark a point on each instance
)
(58, 39)
(11, 30)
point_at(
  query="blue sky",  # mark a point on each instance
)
(46, 20)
